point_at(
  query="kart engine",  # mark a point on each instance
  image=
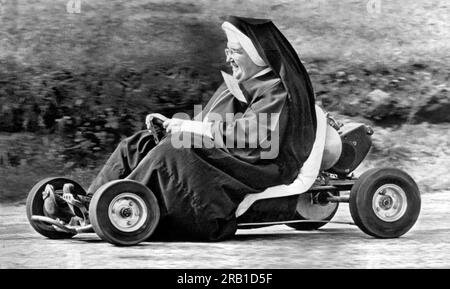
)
(356, 142)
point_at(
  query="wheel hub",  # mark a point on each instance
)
(389, 202)
(386, 202)
(127, 212)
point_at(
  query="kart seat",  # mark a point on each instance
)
(322, 157)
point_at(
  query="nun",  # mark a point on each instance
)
(256, 131)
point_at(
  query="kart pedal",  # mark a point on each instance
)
(47, 191)
(54, 205)
(77, 207)
(50, 192)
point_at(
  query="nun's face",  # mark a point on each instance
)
(242, 65)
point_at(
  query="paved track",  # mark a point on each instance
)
(427, 245)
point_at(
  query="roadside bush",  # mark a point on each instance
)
(88, 113)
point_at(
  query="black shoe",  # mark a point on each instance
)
(55, 206)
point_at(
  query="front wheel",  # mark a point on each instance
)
(385, 202)
(124, 212)
(35, 206)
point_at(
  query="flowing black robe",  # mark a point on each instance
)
(198, 189)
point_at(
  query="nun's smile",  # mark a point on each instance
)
(240, 62)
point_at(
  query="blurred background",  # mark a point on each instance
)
(77, 76)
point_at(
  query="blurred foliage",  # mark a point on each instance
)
(88, 113)
(410, 93)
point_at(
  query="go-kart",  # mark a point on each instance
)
(383, 202)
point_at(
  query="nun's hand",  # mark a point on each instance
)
(149, 118)
(173, 125)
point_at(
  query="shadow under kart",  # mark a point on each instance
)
(383, 202)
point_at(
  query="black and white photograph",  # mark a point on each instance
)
(224, 134)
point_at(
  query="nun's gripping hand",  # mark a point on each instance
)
(154, 123)
(153, 119)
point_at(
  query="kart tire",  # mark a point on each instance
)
(35, 206)
(324, 213)
(124, 212)
(385, 202)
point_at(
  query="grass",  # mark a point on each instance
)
(36, 158)
(422, 150)
(40, 36)
(141, 33)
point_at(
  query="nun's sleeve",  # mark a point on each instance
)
(259, 128)
(197, 127)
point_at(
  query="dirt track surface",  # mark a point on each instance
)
(427, 245)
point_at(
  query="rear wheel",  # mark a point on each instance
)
(35, 206)
(385, 202)
(124, 212)
(307, 209)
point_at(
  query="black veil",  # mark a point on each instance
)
(278, 53)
